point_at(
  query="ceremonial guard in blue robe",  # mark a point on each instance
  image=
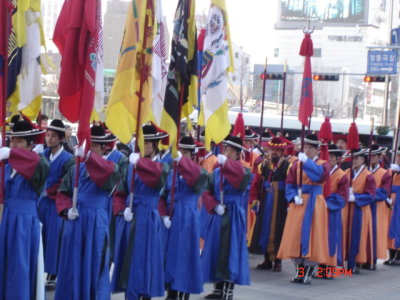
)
(139, 251)
(225, 259)
(183, 273)
(83, 271)
(60, 162)
(25, 177)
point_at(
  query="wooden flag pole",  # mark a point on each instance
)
(264, 78)
(371, 137)
(396, 145)
(283, 96)
(143, 78)
(178, 133)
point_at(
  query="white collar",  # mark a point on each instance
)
(165, 153)
(358, 172)
(315, 158)
(54, 156)
(109, 153)
(208, 155)
(333, 169)
(376, 168)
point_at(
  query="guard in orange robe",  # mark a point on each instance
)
(305, 237)
(380, 208)
(339, 187)
(357, 217)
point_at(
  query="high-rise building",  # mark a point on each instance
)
(343, 32)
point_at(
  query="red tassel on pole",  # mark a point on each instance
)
(325, 132)
(353, 140)
(238, 129)
(306, 48)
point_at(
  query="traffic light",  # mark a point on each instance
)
(326, 77)
(271, 76)
(368, 78)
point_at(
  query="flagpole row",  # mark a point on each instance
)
(283, 95)
(264, 77)
(139, 102)
(371, 138)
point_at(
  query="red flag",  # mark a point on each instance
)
(306, 98)
(77, 37)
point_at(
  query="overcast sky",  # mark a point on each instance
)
(251, 22)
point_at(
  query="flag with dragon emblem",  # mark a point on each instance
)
(122, 113)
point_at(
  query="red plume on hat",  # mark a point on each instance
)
(239, 129)
(353, 140)
(325, 132)
(165, 140)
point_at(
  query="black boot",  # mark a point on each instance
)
(308, 274)
(392, 256)
(217, 292)
(299, 276)
(172, 295)
(265, 265)
(51, 282)
(277, 265)
(227, 293)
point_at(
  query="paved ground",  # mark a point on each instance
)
(382, 284)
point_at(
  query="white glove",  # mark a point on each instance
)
(389, 201)
(128, 214)
(352, 198)
(133, 158)
(394, 167)
(178, 158)
(221, 159)
(298, 200)
(167, 222)
(72, 214)
(38, 148)
(79, 151)
(219, 209)
(4, 153)
(302, 157)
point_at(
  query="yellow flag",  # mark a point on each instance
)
(216, 62)
(133, 74)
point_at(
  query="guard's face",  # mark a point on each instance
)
(310, 151)
(342, 144)
(248, 144)
(275, 155)
(52, 139)
(231, 153)
(375, 159)
(149, 149)
(332, 159)
(358, 161)
(68, 132)
(187, 153)
(97, 148)
(19, 143)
